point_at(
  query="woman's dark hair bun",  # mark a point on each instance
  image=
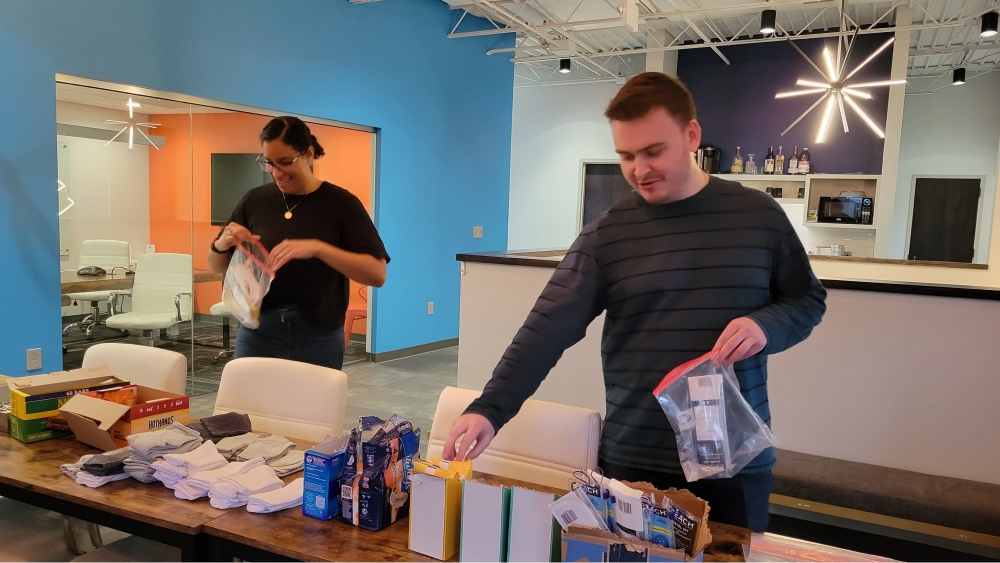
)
(293, 132)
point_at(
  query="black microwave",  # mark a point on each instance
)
(851, 210)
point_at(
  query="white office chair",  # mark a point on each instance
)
(544, 444)
(142, 365)
(293, 399)
(29, 533)
(221, 310)
(109, 255)
(161, 294)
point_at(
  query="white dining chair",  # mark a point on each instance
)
(290, 398)
(220, 309)
(114, 256)
(161, 294)
(143, 365)
(543, 444)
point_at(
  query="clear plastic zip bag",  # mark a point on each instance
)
(247, 281)
(718, 433)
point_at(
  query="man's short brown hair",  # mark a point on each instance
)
(649, 90)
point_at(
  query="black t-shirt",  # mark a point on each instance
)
(330, 214)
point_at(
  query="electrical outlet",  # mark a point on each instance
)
(34, 359)
(430, 307)
(150, 249)
(477, 232)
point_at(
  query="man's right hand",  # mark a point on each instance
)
(232, 235)
(476, 429)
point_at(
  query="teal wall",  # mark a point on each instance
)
(443, 109)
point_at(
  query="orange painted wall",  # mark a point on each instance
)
(347, 163)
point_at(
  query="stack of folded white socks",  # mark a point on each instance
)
(235, 491)
(197, 485)
(94, 481)
(149, 447)
(174, 467)
(288, 496)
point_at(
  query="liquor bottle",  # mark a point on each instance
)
(769, 161)
(793, 161)
(737, 167)
(751, 166)
(779, 162)
(804, 164)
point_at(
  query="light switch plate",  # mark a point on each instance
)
(477, 232)
(150, 249)
(430, 307)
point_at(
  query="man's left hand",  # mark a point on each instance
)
(293, 249)
(741, 339)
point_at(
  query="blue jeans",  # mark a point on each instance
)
(284, 333)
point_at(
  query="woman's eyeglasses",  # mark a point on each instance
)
(267, 165)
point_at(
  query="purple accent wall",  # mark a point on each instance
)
(736, 104)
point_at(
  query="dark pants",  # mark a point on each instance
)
(741, 501)
(284, 333)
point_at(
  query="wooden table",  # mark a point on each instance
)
(71, 282)
(30, 473)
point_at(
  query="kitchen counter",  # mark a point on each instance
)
(859, 388)
(550, 259)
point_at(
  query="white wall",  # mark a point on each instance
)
(554, 127)
(955, 131)
(109, 185)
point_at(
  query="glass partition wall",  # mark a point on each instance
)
(146, 177)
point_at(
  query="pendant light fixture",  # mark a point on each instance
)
(768, 19)
(564, 66)
(958, 76)
(989, 28)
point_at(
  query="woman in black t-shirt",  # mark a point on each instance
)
(318, 236)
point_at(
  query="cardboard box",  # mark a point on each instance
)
(534, 533)
(321, 489)
(485, 522)
(36, 430)
(40, 396)
(4, 398)
(106, 425)
(586, 544)
(435, 515)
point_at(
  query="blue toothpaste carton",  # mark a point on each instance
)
(321, 489)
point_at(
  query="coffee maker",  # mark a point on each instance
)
(708, 158)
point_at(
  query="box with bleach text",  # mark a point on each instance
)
(321, 489)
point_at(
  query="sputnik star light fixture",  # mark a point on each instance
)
(836, 90)
(132, 126)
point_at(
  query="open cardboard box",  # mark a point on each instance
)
(580, 544)
(106, 425)
(40, 396)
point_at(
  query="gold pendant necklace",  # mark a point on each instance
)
(288, 210)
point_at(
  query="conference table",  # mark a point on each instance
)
(71, 282)
(30, 473)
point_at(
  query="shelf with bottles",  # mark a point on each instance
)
(832, 185)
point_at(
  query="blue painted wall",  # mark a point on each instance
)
(736, 104)
(443, 108)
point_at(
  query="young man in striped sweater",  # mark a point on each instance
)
(684, 265)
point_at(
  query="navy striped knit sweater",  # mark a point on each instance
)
(671, 277)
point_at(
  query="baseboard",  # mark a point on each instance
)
(413, 350)
(943, 537)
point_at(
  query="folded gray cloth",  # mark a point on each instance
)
(227, 424)
(200, 428)
(71, 469)
(140, 467)
(108, 463)
(269, 448)
(140, 472)
(291, 462)
(150, 445)
(232, 446)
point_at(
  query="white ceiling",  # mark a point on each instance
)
(945, 33)
(110, 99)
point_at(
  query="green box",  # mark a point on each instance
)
(29, 431)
